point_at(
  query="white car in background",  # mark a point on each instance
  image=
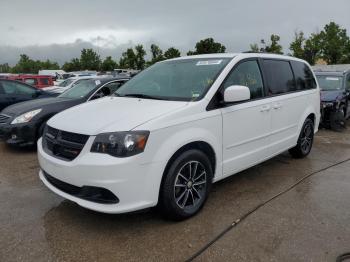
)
(66, 84)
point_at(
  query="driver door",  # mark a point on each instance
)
(246, 125)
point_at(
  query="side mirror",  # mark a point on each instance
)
(236, 94)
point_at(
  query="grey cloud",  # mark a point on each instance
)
(113, 25)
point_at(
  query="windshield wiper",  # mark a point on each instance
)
(142, 96)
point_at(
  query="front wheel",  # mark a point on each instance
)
(305, 140)
(186, 185)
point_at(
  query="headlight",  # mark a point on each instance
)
(25, 117)
(120, 144)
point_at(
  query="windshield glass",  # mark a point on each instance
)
(66, 83)
(328, 83)
(179, 80)
(81, 89)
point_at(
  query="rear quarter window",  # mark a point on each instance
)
(44, 81)
(30, 81)
(303, 76)
(280, 78)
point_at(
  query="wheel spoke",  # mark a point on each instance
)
(180, 185)
(199, 183)
(183, 177)
(197, 193)
(192, 197)
(194, 170)
(180, 197)
(186, 198)
(198, 177)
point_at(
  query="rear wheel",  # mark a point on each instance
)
(186, 185)
(305, 140)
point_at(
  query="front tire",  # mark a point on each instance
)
(305, 140)
(186, 185)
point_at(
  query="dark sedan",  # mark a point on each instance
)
(12, 92)
(23, 123)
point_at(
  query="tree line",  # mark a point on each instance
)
(331, 45)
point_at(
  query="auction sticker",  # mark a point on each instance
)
(208, 62)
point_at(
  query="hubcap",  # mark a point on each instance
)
(306, 138)
(190, 184)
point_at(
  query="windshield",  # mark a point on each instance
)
(81, 89)
(179, 80)
(66, 83)
(328, 83)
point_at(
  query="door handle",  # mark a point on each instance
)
(277, 106)
(265, 108)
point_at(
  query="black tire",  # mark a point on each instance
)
(337, 119)
(305, 140)
(171, 204)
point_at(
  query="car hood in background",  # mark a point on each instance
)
(333, 95)
(112, 114)
(43, 103)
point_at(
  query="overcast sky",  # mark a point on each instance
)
(58, 30)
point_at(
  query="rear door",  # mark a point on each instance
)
(288, 102)
(246, 125)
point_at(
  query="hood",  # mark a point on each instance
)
(332, 95)
(112, 114)
(23, 107)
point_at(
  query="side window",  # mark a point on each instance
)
(30, 81)
(44, 81)
(279, 76)
(348, 83)
(303, 76)
(113, 86)
(17, 88)
(247, 74)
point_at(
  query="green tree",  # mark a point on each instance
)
(207, 46)
(334, 41)
(73, 65)
(108, 64)
(89, 59)
(50, 65)
(297, 46)
(140, 54)
(5, 68)
(172, 53)
(254, 48)
(26, 65)
(157, 54)
(128, 59)
(313, 48)
(274, 46)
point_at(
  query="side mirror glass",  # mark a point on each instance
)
(236, 93)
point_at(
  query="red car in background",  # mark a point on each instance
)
(38, 81)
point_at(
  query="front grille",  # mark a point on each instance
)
(4, 118)
(91, 193)
(63, 145)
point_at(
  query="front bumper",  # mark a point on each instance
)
(19, 134)
(136, 184)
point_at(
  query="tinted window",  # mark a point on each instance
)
(31, 81)
(279, 76)
(247, 74)
(348, 82)
(44, 81)
(303, 76)
(17, 88)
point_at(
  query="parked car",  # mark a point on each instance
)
(178, 126)
(22, 124)
(38, 81)
(66, 84)
(12, 92)
(334, 82)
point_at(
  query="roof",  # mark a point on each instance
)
(343, 68)
(241, 55)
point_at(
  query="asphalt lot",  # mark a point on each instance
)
(308, 223)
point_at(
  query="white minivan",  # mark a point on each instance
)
(177, 127)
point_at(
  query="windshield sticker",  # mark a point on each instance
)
(208, 62)
(195, 95)
(97, 82)
(332, 78)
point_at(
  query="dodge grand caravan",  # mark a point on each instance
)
(167, 134)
